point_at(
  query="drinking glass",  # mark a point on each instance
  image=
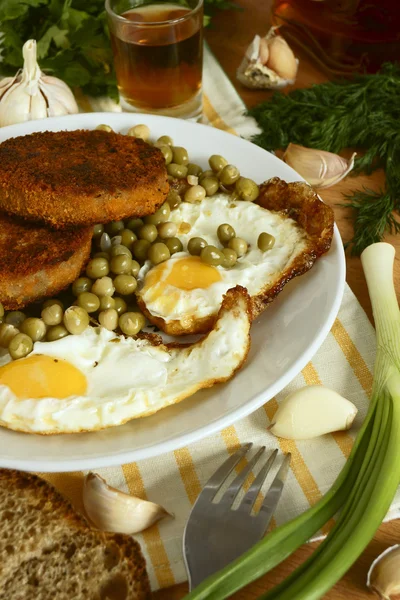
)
(158, 55)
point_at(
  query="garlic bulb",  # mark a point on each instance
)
(320, 168)
(112, 510)
(33, 95)
(384, 574)
(268, 63)
(312, 411)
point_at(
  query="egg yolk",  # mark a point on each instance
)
(41, 376)
(185, 274)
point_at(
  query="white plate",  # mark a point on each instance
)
(284, 338)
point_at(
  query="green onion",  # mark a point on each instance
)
(364, 489)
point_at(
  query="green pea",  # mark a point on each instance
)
(178, 171)
(97, 267)
(121, 249)
(56, 333)
(76, 319)
(103, 287)
(164, 139)
(265, 241)
(106, 302)
(20, 346)
(52, 315)
(134, 224)
(98, 230)
(148, 232)
(225, 233)
(239, 245)
(127, 238)
(211, 185)
(120, 305)
(140, 249)
(229, 175)
(174, 245)
(135, 268)
(173, 199)
(167, 230)
(193, 169)
(104, 127)
(7, 332)
(158, 253)
(121, 264)
(205, 174)
(211, 255)
(247, 189)
(52, 301)
(230, 258)
(1, 310)
(15, 317)
(34, 328)
(167, 153)
(196, 245)
(101, 255)
(196, 193)
(114, 227)
(217, 162)
(109, 319)
(160, 216)
(125, 284)
(180, 155)
(140, 131)
(131, 323)
(88, 301)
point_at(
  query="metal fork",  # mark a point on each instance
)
(216, 534)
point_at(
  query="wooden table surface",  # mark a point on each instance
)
(228, 37)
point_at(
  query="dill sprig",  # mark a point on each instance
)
(364, 113)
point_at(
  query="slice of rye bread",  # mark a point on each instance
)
(49, 552)
(79, 178)
(37, 261)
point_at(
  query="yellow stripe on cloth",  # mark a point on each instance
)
(353, 356)
(298, 465)
(343, 439)
(213, 116)
(188, 473)
(152, 538)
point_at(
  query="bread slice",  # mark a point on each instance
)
(49, 552)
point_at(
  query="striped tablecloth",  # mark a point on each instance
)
(344, 363)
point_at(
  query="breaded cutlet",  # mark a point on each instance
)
(79, 178)
(37, 261)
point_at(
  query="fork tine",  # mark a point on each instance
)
(274, 493)
(217, 479)
(248, 501)
(230, 494)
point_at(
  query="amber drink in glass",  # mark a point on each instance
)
(158, 54)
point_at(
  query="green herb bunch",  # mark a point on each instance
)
(363, 113)
(72, 40)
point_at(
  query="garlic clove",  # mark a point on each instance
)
(268, 63)
(319, 168)
(112, 510)
(312, 411)
(384, 574)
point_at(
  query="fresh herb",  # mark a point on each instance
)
(73, 40)
(364, 489)
(364, 113)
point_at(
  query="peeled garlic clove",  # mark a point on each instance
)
(268, 63)
(112, 510)
(384, 574)
(312, 411)
(319, 168)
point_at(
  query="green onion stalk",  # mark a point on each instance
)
(365, 487)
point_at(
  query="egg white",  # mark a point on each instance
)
(129, 378)
(256, 270)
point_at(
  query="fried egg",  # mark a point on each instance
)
(182, 295)
(97, 379)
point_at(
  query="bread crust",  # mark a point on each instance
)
(52, 519)
(79, 178)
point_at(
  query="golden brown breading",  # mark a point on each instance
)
(79, 178)
(37, 261)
